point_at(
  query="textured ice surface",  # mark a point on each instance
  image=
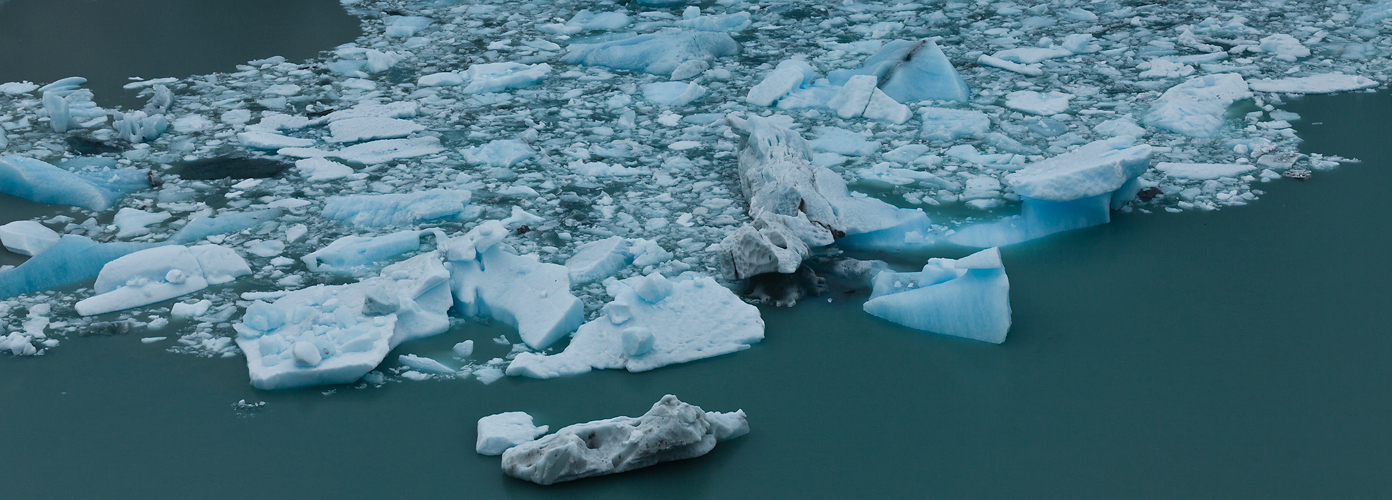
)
(375, 152)
(159, 274)
(490, 281)
(38, 181)
(497, 433)
(498, 77)
(911, 71)
(671, 430)
(1326, 83)
(597, 260)
(967, 297)
(336, 334)
(396, 209)
(944, 124)
(26, 237)
(370, 128)
(1196, 107)
(351, 253)
(1203, 171)
(653, 322)
(500, 153)
(656, 53)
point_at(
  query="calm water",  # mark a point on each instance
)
(1235, 354)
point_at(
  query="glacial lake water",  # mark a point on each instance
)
(1241, 353)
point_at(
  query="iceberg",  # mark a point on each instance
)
(1203, 171)
(497, 77)
(500, 153)
(585, 20)
(1326, 83)
(597, 260)
(498, 433)
(671, 430)
(860, 97)
(489, 280)
(27, 237)
(384, 210)
(350, 253)
(133, 222)
(320, 169)
(1069, 191)
(656, 53)
(159, 274)
(335, 334)
(260, 139)
(651, 323)
(96, 190)
(790, 75)
(1195, 108)
(910, 71)
(967, 297)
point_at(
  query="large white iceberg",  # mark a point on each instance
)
(967, 297)
(653, 322)
(336, 334)
(671, 430)
(489, 280)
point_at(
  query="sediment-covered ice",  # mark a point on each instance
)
(336, 334)
(671, 430)
(967, 297)
(653, 322)
(498, 433)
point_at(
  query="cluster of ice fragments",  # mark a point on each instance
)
(646, 143)
(671, 430)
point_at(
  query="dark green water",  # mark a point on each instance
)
(1235, 354)
(109, 41)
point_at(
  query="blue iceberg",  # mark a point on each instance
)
(396, 209)
(967, 297)
(911, 71)
(38, 181)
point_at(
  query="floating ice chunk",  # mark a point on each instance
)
(319, 169)
(911, 71)
(424, 364)
(1031, 55)
(1117, 127)
(186, 310)
(673, 93)
(738, 21)
(370, 128)
(1164, 67)
(138, 127)
(787, 77)
(497, 77)
(17, 88)
(1284, 47)
(1326, 83)
(603, 21)
(499, 153)
(406, 26)
(1203, 171)
(842, 141)
(375, 152)
(257, 139)
(1196, 107)
(497, 433)
(1015, 67)
(1375, 13)
(378, 61)
(686, 320)
(671, 430)
(35, 180)
(446, 79)
(203, 227)
(967, 297)
(655, 53)
(26, 237)
(532, 296)
(943, 124)
(151, 276)
(325, 335)
(188, 124)
(1046, 103)
(350, 253)
(597, 260)
(464, 349)
(969, 153)
(132, 221)
(398, 109)
(396, 209)
(851, 100)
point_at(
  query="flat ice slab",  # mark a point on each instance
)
(1095, 168)
(1326, 83)
(1195, 108)
(671, 430)
(160, 274)
(498, 433)
(27, 237)
(967, 297)
(396, 209)
(1203, 171)
(38, 181)
(656, 53)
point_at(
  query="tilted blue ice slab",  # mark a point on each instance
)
(911, 71)
(353, 252)
(396, 209)
(35, 180)
(656, 53)
(78, 258)
(967, 297)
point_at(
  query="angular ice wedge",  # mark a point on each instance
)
(1196, 107)
(160, 274)
(371, 128)
(491, 281)
(656, 53)
(501, 153)
(790, 75)
(967, 297)
(498, 77)
(326, 334)
(945, 124)
(678, 321)
(597, 260)
(350, 253)
(97, 190)
(1204, 171)
(1070, 191)
(27, 237)
(671, 430)
(911, 71)
(372, 153)
(1326, 83)
(384, 210)
(497, 433)
(260, 139)
(673, 93)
